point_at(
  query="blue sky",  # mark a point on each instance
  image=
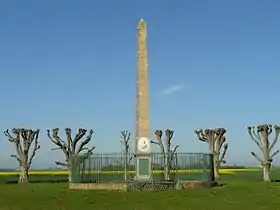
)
(73, 64)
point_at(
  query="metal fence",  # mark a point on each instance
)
(117, 167)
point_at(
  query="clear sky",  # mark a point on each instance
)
(71, 63)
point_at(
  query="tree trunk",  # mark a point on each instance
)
(216, 166)
(70, 177)
(70, 174)
(166, 174)
(266, 156)
(164, 159)
(266, 173)
(125, 167)
(165, 167)
(23, 177)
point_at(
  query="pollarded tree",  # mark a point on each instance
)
(260, 135)
(126, 140)
(216, 141)
(167, 153)
(71, 146)
(23, 139)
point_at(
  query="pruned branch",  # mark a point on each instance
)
(23, 139)
(35, 148)
(158, 134)
(78, 137)
(269, 129)
(7, 134)
(174, 152)
(62, 164)
(256, 156)
(169, 135)
(155, 142)
(17, 158)
(126, 138)
(71, 147)
(85, 142)
(68, 133)
(56, 140)
(251, 130)
(222, 157)
(273, 154)
(277, 131)
(257, 136)
(199, 133)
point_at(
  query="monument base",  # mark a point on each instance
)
(150, 185)
(143, 168)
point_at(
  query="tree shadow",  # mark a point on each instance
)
(217, 184)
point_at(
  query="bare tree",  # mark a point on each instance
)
(23, 139)
(216, 141)
(71, 147)
(126, 139)
(260, 135)
(167, 153)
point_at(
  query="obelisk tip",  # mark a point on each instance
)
(141, 22)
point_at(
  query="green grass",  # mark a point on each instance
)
(34, 179)
(241, 191)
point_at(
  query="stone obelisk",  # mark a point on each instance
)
(143, 149)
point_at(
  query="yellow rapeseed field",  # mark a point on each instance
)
(61, 173)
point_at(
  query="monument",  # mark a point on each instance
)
(142, 147)
(144, 180)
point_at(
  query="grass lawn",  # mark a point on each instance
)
(241, 191)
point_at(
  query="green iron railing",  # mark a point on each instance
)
(117, 167)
